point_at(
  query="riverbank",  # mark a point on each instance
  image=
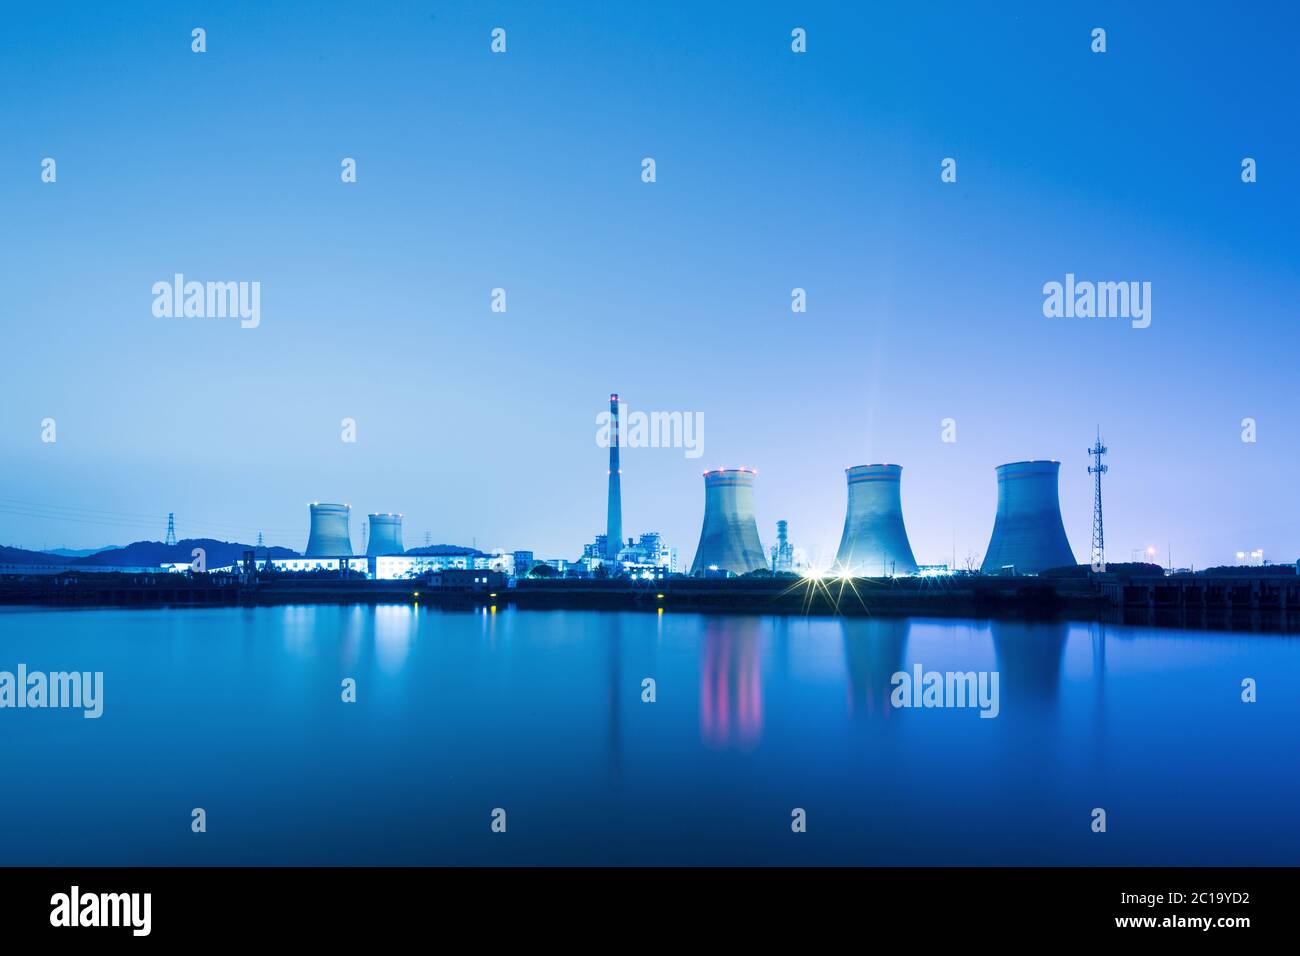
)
(1257, 604)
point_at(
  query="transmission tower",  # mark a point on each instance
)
(1097, 469)
(171, 529)
(259, 539)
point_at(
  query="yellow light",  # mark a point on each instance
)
(659, 596)
(417, 593)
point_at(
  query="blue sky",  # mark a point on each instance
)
(522, 171)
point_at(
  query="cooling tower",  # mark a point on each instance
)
(874, 543)
(385, 535)
(729, 537)
(329, 531)
(1028, 534)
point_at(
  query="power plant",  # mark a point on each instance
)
(1028, 534)
(874, 542)
(729, 536)
(329, 537)
(385, 535)
(614, 515)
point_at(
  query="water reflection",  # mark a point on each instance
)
(394, 628)
(614, 695)
(1029, 658)
(731, 687)
(874, 651)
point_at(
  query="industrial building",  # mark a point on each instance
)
(782, 552)
(643, 557)
(1028, 533)
(385, 534)
(874, 542)
(329, 536)
(729, 535)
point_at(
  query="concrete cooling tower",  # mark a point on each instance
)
(729, 537)
(329, 531)
(874, 543)
(1028, 535)
(385, 535)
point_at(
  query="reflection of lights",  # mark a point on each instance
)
(731, 694)
(394, 624)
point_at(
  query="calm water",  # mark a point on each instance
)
(238, 711)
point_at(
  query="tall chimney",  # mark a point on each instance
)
(614, 519)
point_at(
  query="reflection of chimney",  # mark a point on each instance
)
(731, 691)
(875, 650)
(1029, 656)
(614, 518)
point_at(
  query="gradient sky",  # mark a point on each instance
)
(522, 171)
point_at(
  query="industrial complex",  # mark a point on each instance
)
(1028, 538)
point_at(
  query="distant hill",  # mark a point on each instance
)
(147, 554)
(78, 552)
(141, 554)
(1132, 569)
(446, 550)
(1258, 571)
(23, 556)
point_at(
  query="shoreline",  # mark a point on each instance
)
(1092, 599)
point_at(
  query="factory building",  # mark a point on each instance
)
(329, 536)
(874, 542)
(1028, 533)
(385, 534)
(729, 535)
(643, 557)
(782, 551)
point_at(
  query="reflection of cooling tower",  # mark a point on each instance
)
(329, 531)
(874, 540)
(729, 537)
(385, 535)
(1028, 534)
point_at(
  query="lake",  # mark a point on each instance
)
(541, 714)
